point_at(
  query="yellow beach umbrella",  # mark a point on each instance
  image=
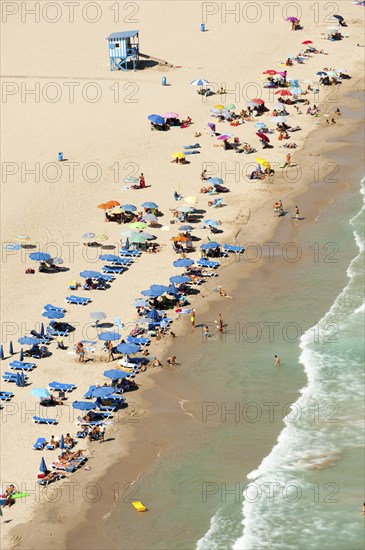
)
(191, 200)
(100, 238)
(263, 162)
(221, 107)
(178, 155)
(116, 210)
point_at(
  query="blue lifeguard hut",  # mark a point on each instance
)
(123, 48)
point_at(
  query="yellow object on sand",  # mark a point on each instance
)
(263, 162)
(178, 155)
(139, 506)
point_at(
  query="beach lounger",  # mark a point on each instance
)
(12, 376)
(40, 420)
(81, 422)
(122, 261)
(108, 278)
(139, 341)
(6, 395)
(59, 386)
(50, 307)
(89, 393)
(196, 146)
(45, 482)
(233, 248)
(124, 252)
(21, 365)
(40, 444)
(191, 152)
(117, 270)
(79, 300)
(64, 467)
(207, 263)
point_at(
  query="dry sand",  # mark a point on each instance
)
(116, 134)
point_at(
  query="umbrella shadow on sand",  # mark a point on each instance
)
(104, 325)
(29, 246)
(108, 246)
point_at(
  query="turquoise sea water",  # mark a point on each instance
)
(308, 491)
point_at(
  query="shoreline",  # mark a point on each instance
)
(133, 435)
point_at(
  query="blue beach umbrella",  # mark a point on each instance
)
(149, 205)
(41, 393)
(156, 119)
(200, 82)
(39, 256)
(260, 125)
(321, 73)
(210, 245)
(62, 442)
(115, 374)
(128, 349)
(53, 314)
(90, 274)
(109, 336)
(103, 391)
(215, 181)
(29, 341)
(211, 223)
(11, 350)
(43, 467)
(183, 262)
(179, 279)
(140, 303)
(186, 228)
(128, 208)
(83, 405)
(155, 292)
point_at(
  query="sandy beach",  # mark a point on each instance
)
(110, 139)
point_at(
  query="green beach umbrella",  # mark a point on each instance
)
(138, 225)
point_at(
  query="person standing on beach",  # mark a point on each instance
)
(80, 352)
(109, 347)
(220, 323)
(296, 213)
(277, 361)
(288, 159)
(192, 318)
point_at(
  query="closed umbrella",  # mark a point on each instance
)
(154, 314)
(110, 335)
(43, 467)
(173, 291)
(61, 444)
(263, 137)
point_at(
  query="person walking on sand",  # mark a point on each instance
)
(109, 347)
(220, 323)
(288, 159)
(296, 213)
(277, 361)
(206, 331)
(80, 352)
(192, 318)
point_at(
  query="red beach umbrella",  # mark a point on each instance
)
(258, 101)
(283, 93)
(263, 137)
(307, 42)
(271, 72)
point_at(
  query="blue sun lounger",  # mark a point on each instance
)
(21, 365)
(40, 444)
(191, 152)
(40, 420)
(6, 395)
(117, 270)
(196, 146)
(12, 376)
(89, 393)
(122, 261)
(78, 300)
(207, 263)
(233, 248)
(59, 386)
(126, 252)
(138, 341)
(50, 307)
